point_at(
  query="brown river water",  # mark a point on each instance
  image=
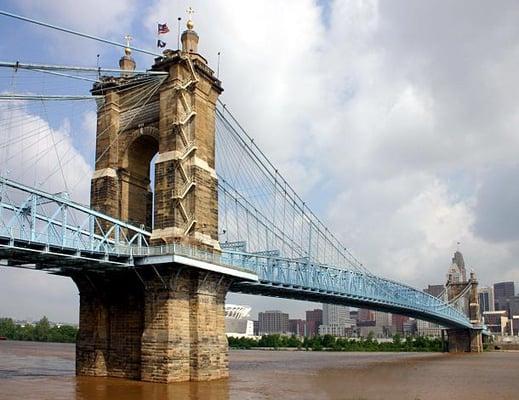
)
(46, 371)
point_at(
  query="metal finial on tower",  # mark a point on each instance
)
(190, 25)
(128, 39)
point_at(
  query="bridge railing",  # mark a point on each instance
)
(342, 282)
(33, 216)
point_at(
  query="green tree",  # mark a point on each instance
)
(41, 330)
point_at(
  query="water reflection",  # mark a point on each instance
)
(111, 388)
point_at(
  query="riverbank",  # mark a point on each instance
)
(331, 343)
(41, 331)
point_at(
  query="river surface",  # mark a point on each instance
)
(46, 371)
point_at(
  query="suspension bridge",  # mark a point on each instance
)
(184, 207)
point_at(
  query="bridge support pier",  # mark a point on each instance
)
(164, 326)
(464, 340)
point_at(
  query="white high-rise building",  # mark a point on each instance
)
(334, 314)
(336, 321)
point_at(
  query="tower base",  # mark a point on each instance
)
(464, 340)
(164, 325)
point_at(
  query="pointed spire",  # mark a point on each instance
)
(190, 25)
(127, 63)
(189, 36)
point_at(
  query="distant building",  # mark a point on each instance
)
(514, 306)
(383, 318)
(496, 321)
(503, 292)
(429, 329)
(383, 325)
(334, 314)
(435, 290)
(409, 327)
(336, 321)
(365, 315)
(272, 322)
(398, 322)
(365, 323)
(354, 314)
(364, 328)
(297, 327)
(515, 325)
(237, 322)
(338, 330)
(486, 299)
(314, 319)
(457, 272)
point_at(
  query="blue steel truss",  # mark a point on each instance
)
(33, 216)
(54, 233)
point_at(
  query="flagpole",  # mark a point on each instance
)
(218, 66)
(178, 34)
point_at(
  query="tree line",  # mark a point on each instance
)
(332, 343)
(42, 331)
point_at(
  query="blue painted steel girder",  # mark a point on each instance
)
(304, 281)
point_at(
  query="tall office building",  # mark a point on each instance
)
(486, 299)
(503, 293)
(297, 327)
(334, 314)
(314, 318)
(435, 290)
(336, 321)
(514, 307)
(272, 322)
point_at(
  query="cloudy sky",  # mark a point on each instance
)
(397, 120)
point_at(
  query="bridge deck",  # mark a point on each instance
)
(36, 231)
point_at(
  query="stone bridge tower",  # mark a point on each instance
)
(173, 124)
(466, 292)
(159, 323)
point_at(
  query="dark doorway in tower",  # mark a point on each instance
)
(138, 180)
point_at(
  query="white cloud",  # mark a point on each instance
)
(39, 155)
(105, 19)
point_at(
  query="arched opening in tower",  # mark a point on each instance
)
(138, 181)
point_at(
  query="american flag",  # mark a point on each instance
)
(162, 28)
